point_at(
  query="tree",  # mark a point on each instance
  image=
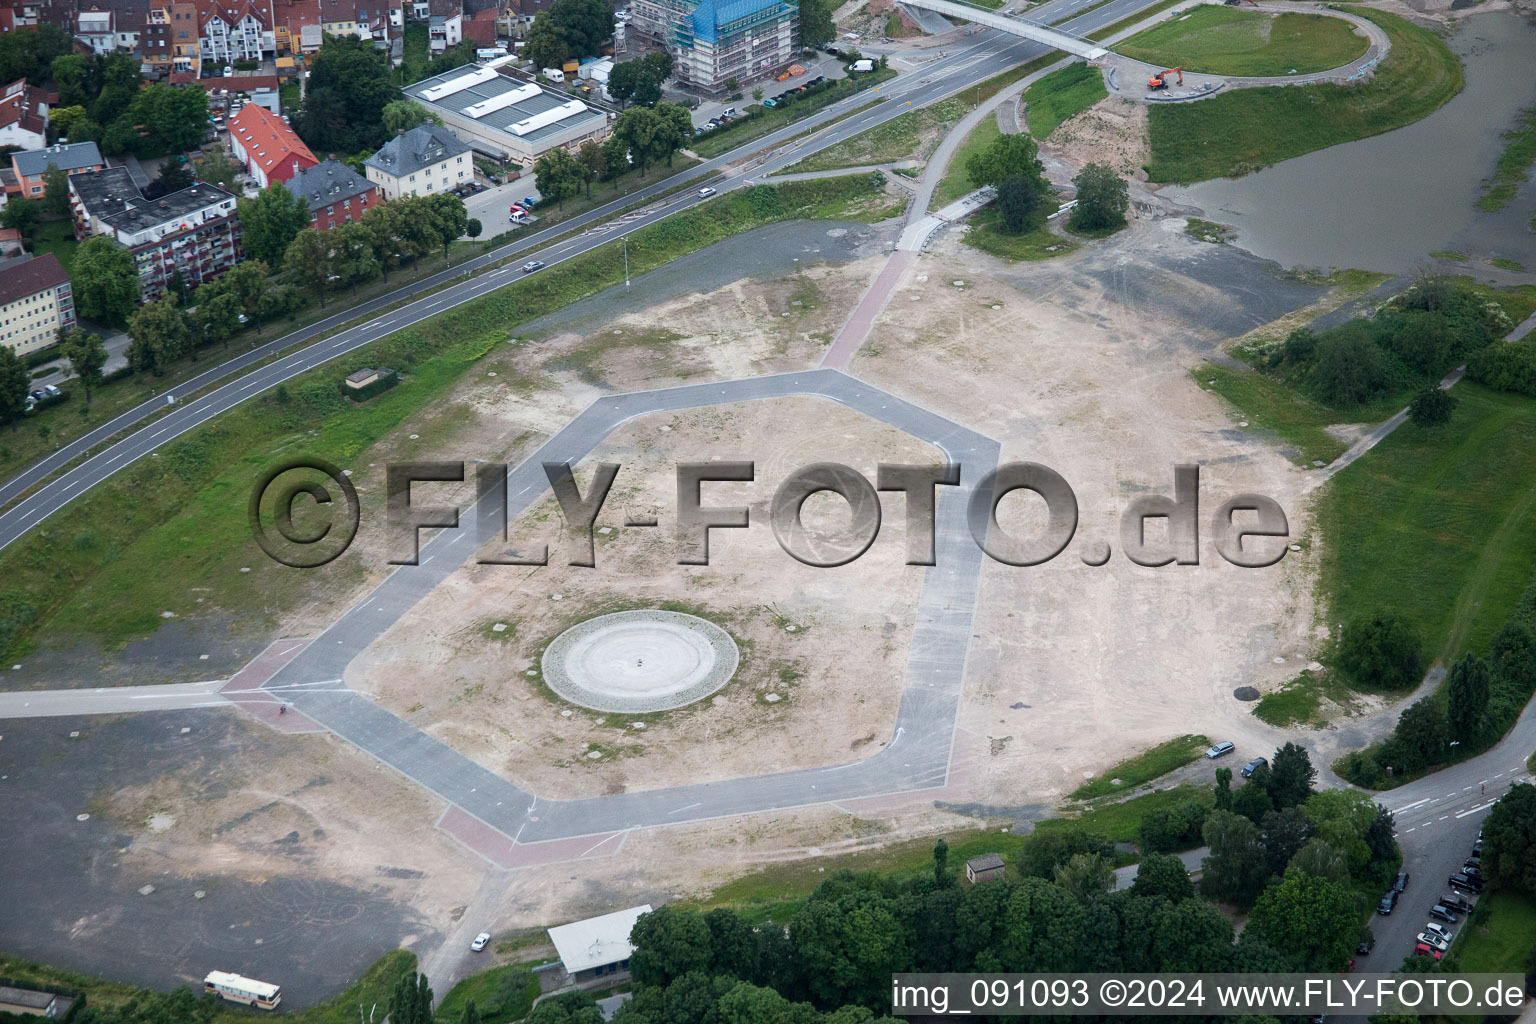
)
(1223, 789)
(349, 86)
(1008, 156)
(1509, 841)
(669, 943)
(305, 261)
(1291, 776)
(73, 124)
(86, 355)
(1162, 875)
(1282, 833)
(55, 201)
(546, 44)
(1086, 875)
(473, 227)
(566, 1008)
(403, 115)
(247, 282)
(1381, 652)
(628, 80)
(1320, 859)
(1236, 868)
(816, 27)
(411, 1000)
(173, 177)
(21, 214)
(1309, 917)
(1420, 738)
(616, 156)
(1172, 828)
(848, 946)
(218, 169)
(215, 318)
(174, 118)
(69, 73)
(1044, 850)
(1253, 800)
(676, 125)
(585, 24)
(941, 875)
(1349, 368)
(14, 381)
(160, 336)
(104, 280)
(446, 212)
(1017, 201)
(471, 1013)
(1102, 200)
(1467, 687)
(594, 163)
(271, 221)
(558, 175)
(1431, 408)
(1343, 818)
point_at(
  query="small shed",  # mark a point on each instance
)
(984, 868)
(597, 946)
(27, 1001)
(362, 378)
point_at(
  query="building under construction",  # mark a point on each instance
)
(715, 41)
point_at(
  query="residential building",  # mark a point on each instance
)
(237, 90)
(184, 37)
(95, 29)
(194, 231)
(74, 158)
(130, 18)
(444, 33)
(231, 30)
(715, 41)
(23, 116)
(424, 161)
(155, 43)
(35, 302)
(597, 946)
(336, 194)
(504, 118)
(11, 244)
(266, 146)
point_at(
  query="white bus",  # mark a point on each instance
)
(242, 990)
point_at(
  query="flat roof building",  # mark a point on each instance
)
(506, 118)
(598, 945)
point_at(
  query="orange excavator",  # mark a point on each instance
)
(1160, 80)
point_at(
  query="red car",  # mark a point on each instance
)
(1423, 950)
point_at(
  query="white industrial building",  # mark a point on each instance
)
(506, 118)
(597, 946)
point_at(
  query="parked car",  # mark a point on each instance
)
(1446, 935)
(1423, 950)
(532, 265)
(529, 201)
(1465, 882)
(480, 941)
(38, 395)
(1401, 882)
(1434, 941)
(1367, 943)
(1254, 765)
(52, 390)
(1444, 913)
(1474, 861)
(1224, 747)
(770, 102)
(1388, 902)
(706, 192)
(1456, 902)
(493, 179)
(1473, 868)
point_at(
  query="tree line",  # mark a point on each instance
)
(641, 137)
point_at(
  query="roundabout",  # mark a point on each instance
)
(639, 661)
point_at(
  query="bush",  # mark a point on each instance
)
(1380, 653)
(1178, 827)
(1509, 367)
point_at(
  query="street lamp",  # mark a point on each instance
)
(626, 262)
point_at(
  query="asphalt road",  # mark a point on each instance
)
(967, 64)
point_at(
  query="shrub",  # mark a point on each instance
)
(1380, 653)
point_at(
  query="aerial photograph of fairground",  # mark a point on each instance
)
(767, 511)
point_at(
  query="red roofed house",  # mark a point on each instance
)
(231, 30)
(23, 116)
(267, 147)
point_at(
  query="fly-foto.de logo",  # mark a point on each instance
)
(1248, 530)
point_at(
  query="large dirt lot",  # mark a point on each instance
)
(823, 650)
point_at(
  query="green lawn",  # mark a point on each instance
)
(909, 135)
(1146, 766)
(500, 994)
(108, 564)
(1298, 701)
(957, 180)
(1037, 244)
(1268, 404)
(1219, 40)
(1514, 163)
(1240, 131)
(1061, 94)
(1438, 527)
(57, 237)
(1499, 935)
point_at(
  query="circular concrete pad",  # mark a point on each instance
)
(647, 660)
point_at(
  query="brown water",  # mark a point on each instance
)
(1386, 202)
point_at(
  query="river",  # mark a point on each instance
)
(1386, 202)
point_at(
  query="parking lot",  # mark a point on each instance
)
(490, 206)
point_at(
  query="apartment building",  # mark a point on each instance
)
(336, 194)
(715, 41)
(74, 158)
(231, 30)
(35, 302)
(266, 146)
(155, 42)
(194, 231)
(421, 162)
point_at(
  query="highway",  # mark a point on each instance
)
(965, 65)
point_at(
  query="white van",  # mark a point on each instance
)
(554, 74)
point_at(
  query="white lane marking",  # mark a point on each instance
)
(1475, 810)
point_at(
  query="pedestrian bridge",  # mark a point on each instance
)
(1075, 45)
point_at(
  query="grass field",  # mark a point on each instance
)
(1146, 766)
(1298, 701)
(957, 180)
(500, 994)
(1133, 19)
(1270, 405)
(1220, 40)
(908, 135)
(1037, 244)
(1514, 163)
(1061, 94)
(173, 522)
(1438, 527)
(1499, 936)
(57, 237)
(1238, 132)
